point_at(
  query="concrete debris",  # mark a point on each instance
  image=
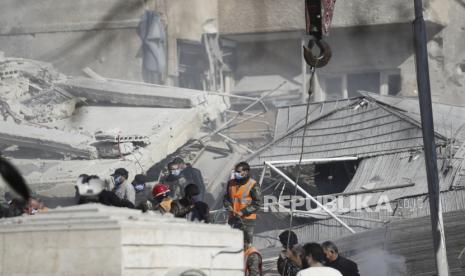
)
(116, 145)
(54, 128)
(44, 142)
(127, 93)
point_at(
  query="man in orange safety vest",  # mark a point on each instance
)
(242, 199)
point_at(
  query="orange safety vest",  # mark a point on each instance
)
(240, 196)
(165, 204)
(249, 252)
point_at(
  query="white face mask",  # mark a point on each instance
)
(139, 187)
(238, 176)
(176, 172)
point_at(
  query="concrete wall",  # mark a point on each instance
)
(184, 21)
(278, 57)
(97, 240)
(74, 34)
(448, 53)
(244, 16)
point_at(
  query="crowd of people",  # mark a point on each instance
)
(312, 258)
(181, 192)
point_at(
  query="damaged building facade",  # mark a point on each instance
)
(137, 82)
(366, 150)
(244, 47)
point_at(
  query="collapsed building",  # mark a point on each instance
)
(55, 128)
(365, 149)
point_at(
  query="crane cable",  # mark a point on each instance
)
(299, 165)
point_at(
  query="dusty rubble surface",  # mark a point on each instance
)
(54, 127)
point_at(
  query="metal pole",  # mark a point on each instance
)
(264, 95)
(313, 160)
(427, 125)
(310, 197)
(262, 176)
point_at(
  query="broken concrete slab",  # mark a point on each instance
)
(128, 93)
(46, 139)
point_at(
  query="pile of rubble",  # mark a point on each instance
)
(54, 127)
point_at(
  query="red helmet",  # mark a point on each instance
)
(160, 189)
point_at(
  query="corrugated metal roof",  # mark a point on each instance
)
(292, 117)
(352, 130)
(449, 120)
(393, 170)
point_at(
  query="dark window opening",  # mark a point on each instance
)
(394, 84)
(332, 178)
(315, 179)
(363, 82)
(193, 64)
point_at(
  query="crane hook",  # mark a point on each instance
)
(323, 57)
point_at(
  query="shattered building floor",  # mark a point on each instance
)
(55, 128)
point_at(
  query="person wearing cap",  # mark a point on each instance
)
(289, 260)
(142, 199)
(162, 200)
(253, 263)
(123, 189)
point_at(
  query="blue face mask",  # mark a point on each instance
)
(118, 180)
(238, 176)
(139, 187)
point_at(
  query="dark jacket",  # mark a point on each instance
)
(189, 175)
(142, 197)
(111, 199)
(345, 266)
(287, 267)
(191, 210)
(180, 208)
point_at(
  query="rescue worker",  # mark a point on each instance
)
(184, 206)
(142, 198)
(123, 189)
(336, 261)
(182, 174)
(253, 263)
(242, 199)
(161, 198)
(189, 208)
